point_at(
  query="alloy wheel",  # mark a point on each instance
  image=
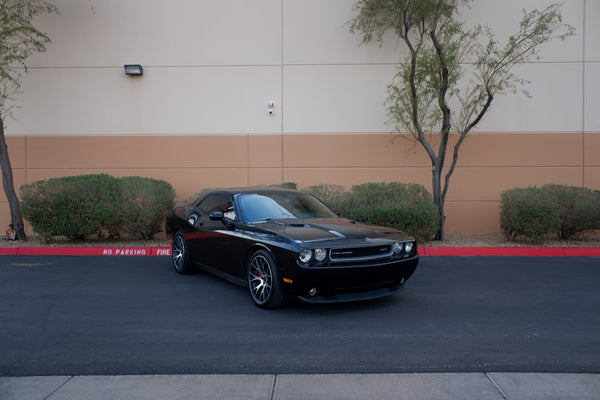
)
(179, 254)
(260, 279)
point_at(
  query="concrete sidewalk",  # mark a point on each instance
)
(434, 386)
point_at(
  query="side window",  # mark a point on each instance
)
(218, 202)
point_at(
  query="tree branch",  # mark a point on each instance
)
(463, 135)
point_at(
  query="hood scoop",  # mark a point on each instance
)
(319, 230)
(292, 225)
(337, 234)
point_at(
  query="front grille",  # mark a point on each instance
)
(365, 253)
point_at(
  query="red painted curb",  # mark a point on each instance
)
(8, 251)
(496, 251)
(511, 251)
(424, 251)
(582, 251)
(86, 251)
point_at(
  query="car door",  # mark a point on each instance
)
(212, 242)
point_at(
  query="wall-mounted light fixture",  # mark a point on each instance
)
(133, 69)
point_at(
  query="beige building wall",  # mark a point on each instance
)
(198, 117)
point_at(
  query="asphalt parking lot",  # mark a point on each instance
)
(134, 315)
(498, 328)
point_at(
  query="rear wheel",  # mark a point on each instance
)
(263, 280)
(180, 255)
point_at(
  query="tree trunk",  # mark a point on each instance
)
(438, 199)
(9, 188)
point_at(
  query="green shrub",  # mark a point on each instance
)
(577, 209)
(81, 206)
(407, 207)
(332, 195)
(529, 212)
(597, 208)
(284, 185)
(76, 206)
(144, 204)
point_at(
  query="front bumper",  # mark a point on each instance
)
(353, 296)
(350, 283)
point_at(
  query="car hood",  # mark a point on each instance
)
(310, 230)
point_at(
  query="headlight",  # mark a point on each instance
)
(305, 255)
(408, 246)
(397, 248)
(320, 254)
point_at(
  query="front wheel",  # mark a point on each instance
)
(180, 255)
(263, 280)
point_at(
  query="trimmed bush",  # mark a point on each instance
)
(597, 208)
(284, 185)
(332, 195)
(75, 206)
(529, 212)
(577, 209)
(144, 204)
(405, 206)
(81, 206)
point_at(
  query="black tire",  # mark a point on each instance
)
(180, 255)
(263, 280)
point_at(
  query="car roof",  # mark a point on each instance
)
(236, 191)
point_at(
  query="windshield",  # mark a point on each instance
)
(265, 206)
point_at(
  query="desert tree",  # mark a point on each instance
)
(449, 73)
(19, 39)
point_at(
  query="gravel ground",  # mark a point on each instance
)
(591, 240)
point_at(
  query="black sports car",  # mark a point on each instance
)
(285, 243)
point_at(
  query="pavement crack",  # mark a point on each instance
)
(496, 386)
(273, 388)
(58, 388)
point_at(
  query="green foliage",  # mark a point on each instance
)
(19, 39)
(284, 185)
(578, 209)
(597, 209)
(440, 54)
(529, 212)
(407, 207)
(82, 206)
(560, 209)
(332, 195)
(446, 63)
(144, 204)
(76, 206)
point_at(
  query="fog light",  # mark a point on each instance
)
(305, 255)
(313, 292)
(320, 254)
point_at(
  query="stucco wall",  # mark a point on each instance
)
(198, 117)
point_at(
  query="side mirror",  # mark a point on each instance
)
(192, 215)
(192, 219)
(216, 216)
